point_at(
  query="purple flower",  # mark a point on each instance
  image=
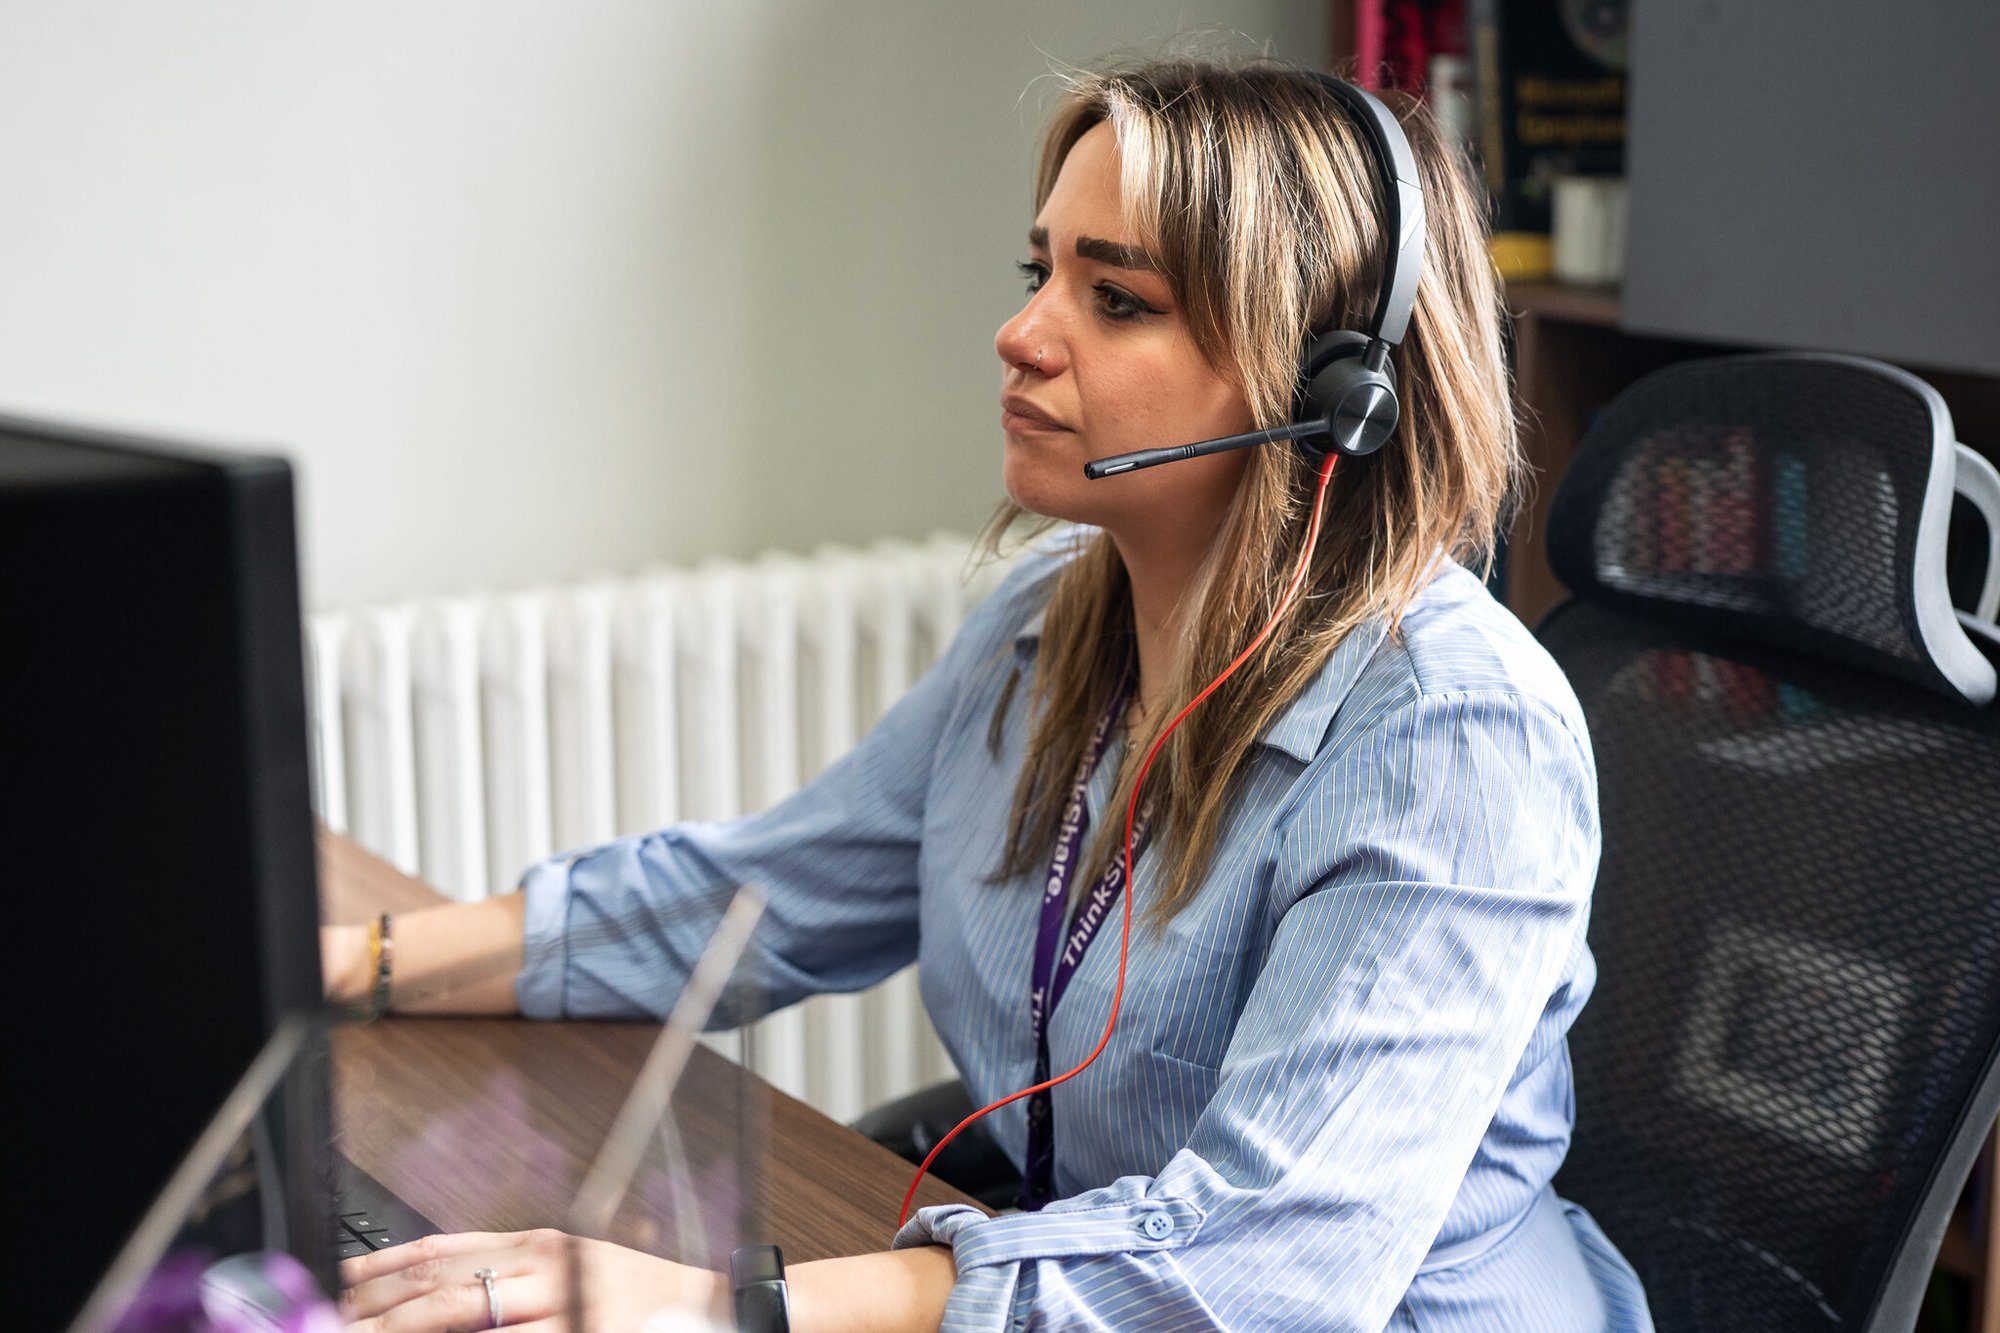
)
(169, 1300)
(190, 1292)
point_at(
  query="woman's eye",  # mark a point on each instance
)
(1119, 304)
(1033, 274)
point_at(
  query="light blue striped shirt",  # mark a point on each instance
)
(1340, 1083)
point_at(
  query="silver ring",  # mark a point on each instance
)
(488, 1276)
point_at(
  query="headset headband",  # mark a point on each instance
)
(1402, 206)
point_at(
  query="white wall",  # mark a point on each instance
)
(531, 289)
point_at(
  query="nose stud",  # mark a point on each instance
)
(1038, 357)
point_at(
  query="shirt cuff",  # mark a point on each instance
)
(977, 1241)
(544, 938)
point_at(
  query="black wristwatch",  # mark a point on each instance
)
(763, 1303)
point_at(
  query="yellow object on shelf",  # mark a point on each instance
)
(1524, 256)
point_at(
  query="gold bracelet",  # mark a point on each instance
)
(383, 951)
(381, 956)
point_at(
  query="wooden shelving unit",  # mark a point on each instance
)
(1569, 360)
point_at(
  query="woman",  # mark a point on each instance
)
(1338, 1085)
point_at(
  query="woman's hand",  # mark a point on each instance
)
(431, 1285)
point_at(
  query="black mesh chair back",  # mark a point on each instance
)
(1789, 1061)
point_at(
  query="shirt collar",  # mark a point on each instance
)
(1030, 634)
(1300, 728)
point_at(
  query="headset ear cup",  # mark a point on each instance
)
(1356, 405)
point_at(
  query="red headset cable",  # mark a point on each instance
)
(1131, 815)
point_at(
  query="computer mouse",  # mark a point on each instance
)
(266, 1290)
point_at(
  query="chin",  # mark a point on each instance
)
(1033, 485)
(1040, 504)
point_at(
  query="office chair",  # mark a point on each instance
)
(911, 1126)
(1789, 1062)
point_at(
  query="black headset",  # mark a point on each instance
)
(1345, 379)
(1346, 388)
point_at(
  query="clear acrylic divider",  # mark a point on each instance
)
(631, 1133)
(679, 1172)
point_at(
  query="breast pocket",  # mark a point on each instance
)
(1185, 1083)
(1182, 994)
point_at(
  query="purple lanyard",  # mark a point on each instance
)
(1054, 969)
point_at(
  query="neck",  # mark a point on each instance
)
(1161, 569)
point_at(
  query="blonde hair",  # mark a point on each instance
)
(1260, 200)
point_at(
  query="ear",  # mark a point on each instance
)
(1327, 348)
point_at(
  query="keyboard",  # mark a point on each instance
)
(368, 1216)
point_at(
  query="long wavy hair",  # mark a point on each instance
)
(1259, 198)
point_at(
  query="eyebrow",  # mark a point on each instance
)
(1103, 251)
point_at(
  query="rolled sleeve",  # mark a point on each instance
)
(988, 1292)
(613, 931)
(1102, 1263)
(1080, 1230)
(544, 939)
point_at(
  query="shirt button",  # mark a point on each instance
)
(1156, 1226)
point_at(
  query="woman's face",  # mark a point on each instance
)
(1100, 362)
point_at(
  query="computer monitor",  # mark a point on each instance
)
(160, 913)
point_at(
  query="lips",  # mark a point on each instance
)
(1018, 416)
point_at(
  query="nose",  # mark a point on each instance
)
(1025, 342)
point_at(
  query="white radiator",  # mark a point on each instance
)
(463, 738)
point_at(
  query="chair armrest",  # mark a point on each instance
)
(911, 1126)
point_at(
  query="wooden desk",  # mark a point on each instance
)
(490, 1124)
